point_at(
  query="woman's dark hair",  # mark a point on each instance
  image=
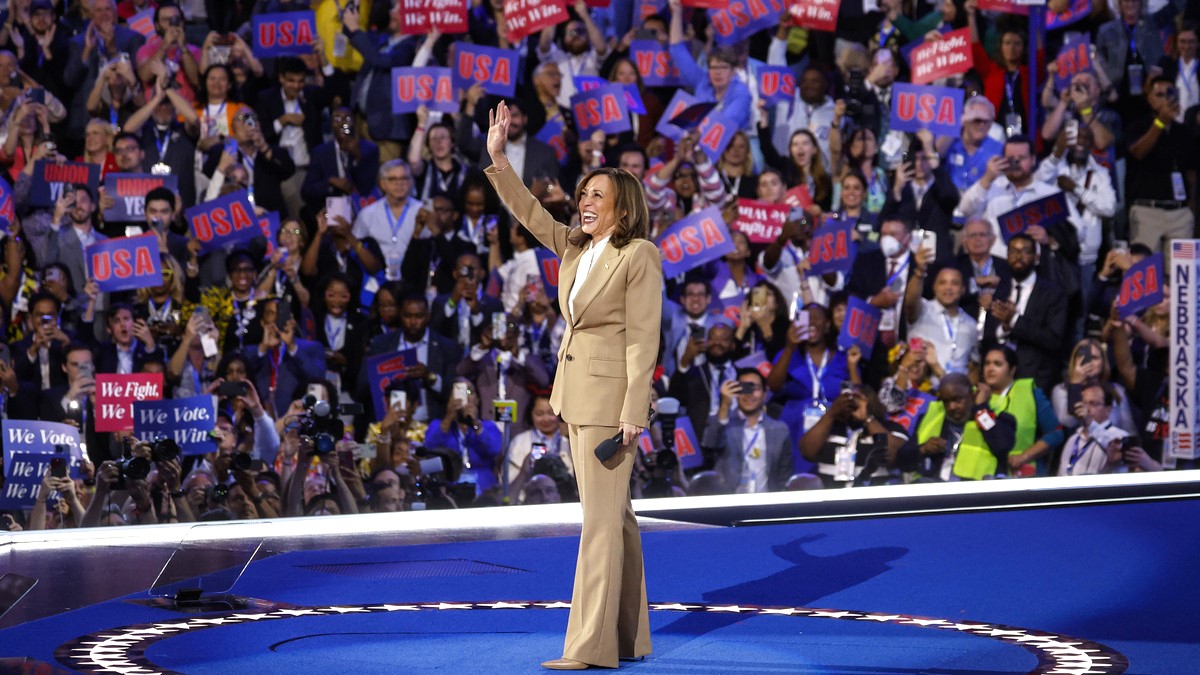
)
(223, 367)
(529, 408)
(202, 92)
(629, 197)
(318, 298)
(1010, 356)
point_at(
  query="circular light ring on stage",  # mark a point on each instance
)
(122, 649)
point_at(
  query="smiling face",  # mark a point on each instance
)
(948, 286)
(337, 297)
(598, 207)
(544, 419)
(770, 187)
(216, 83)
(853, 191)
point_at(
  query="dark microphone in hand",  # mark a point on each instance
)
(609, 446)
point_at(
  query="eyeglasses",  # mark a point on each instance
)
(293, 230)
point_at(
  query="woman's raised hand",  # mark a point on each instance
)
(498, 135)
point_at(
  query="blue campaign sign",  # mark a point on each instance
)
(602, 108)
(431, 87)
(128, 191)
(29, 450)
(633, 98)
(551, 134)
(189, 421)
(679, 102)
(1141, 287)
(125, 263)
(50, 178)
(860, 326)
(492, 68)
(1078, 9)
(743, 18)
(832, 248)
(776, 84)
(8, 207)
(284, 33)
(654, 64)
(269, 224)
(716, 131)
(1075, 57)
(548, 264)
(693, 241)
(382, 369)
(916, 107)
(224, 220)
(1046, 211)
(687, 444)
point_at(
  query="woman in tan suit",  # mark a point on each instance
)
(610, 291)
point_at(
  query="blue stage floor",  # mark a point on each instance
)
(1073, 589)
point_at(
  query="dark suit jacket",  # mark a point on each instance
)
(269, 174)
(728, 440)
(270, 108)
(180, 157)
(322, 165)
(970, 301)
(695, 390)
(935, 214)
(445, 322)
(444, 355)
(64, 247)
(80, 77)
(30, 372)
(352, 348)
(1038, 335)
(107, 361)
(49, 405)
(307, 365)
(868, 277)
(438, 253)
(540, 160)
(376, 76)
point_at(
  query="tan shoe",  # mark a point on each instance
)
(565, 664)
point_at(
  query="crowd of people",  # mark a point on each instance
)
(992, 359)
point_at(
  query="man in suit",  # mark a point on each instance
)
(129, 345)
(687, 327)
(74, 400)
(927, 196)
(437, 358)
(291, 117)
(38, 357)
(531, 158)
(268, 165)
(162, 129)
(465, 312)
(1030, 315)
(754, 451)
(697, 383)
(880, 276)
(429, 261)
(102, 40)
(73, 230)
(347, 165)
(372, 93)
(983, 271)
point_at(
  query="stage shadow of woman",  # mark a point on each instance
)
(810, 578)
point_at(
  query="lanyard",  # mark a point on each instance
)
(112, 116)
(1080, 449)
(162, 144)
(211, 121)
(396, 223)
(1010, 84)
(1132, 31)
(753, 439)
(160, 313)
(1187, 76)
(276, 360)
(896, 275)
(331, 335)
(950, 333)
(541, 438)
(818, 389)
(885, 35)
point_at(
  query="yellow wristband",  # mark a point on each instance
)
(1085, 112)
(1159, 123)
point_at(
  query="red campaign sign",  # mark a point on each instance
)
(934, 59)
(1006, 6)
(448, 16)
(115, 395)
(798, 197)
(761, 222)
(526, 17)
(598, 3)
(815, 14)
(414, 19)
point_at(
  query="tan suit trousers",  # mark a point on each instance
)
(609, 617)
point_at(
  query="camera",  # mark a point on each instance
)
(319, 425)
(175, 21)
(164, 449)
(435, 486)
(465, 271)
(856, 90)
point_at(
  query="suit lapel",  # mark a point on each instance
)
(603, 269)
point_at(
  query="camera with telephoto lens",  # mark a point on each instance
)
(130, 468)
(856, 91)
(164, 449)
(435, 485)
(320, 425)
(662, 465)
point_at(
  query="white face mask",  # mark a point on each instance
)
(890, 246)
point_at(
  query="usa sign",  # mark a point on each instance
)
(916, 107)
(382, 369)
(431, 87)
(1046, 211)
(654, 64)
(1141, 287)
(776, 84)
(493, 69)
(284, 33)
(224, 220)
(1075, 57)
(602, 108)
(739, 19)
(831, 248)
(934, 59)
(125, 263)
(860, 326)
(693, 241)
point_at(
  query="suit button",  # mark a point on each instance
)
(570, 358)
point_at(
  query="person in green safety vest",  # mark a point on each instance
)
(958, 438)
(1038, 432)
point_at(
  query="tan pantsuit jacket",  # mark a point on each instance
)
(605, 364)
